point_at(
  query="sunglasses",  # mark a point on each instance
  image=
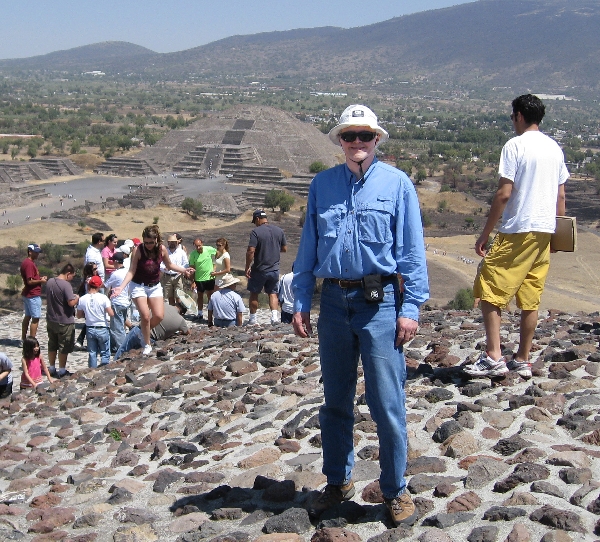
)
(364, 137)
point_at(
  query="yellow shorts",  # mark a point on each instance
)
(516, 265)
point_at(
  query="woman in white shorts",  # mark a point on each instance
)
(144, 275)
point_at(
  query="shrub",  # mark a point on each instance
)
(155, 220)
(22, 245)
(81, 224)
(317, 166)
(14, 283)
(426, 220)
(463, 300)
(80, 249)
(45, 271)
(445, 188)
(442, 205)
(53, 253)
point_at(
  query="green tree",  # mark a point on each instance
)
(32, 150)
(421, 175)
(279, 198)
(13, 152)
(192, 207)
(75, 146)
(317, 166)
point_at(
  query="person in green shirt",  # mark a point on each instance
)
(201, 260)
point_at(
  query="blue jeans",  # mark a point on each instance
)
(220, 322)
(117, 326)
(133, 340)
(98, 342)
(350, 327)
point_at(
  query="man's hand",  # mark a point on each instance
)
(481, 245)
(406, 329)
(248, 272)
(301, 323)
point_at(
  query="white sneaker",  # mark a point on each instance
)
(274, 321)
(522, 368)
(486, 366)
(147, 350)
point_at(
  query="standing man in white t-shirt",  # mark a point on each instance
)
(530, 194)
(93, 254)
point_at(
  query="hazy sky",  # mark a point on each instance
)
(37, 27)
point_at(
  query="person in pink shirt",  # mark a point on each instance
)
(110, 245)
(33, 365)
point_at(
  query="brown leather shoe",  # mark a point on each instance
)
(402, 509)
(329, 497)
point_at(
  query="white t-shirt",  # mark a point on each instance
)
(114, 281)
(286, 294)
(92, 254)
(94, 307)
(536, 165)
(177, 257)
(220, 261)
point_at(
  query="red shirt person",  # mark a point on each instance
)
(32, 292)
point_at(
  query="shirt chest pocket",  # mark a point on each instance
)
(375, 221)
(330, 219)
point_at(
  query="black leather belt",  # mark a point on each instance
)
(148, 284)
(342, 283)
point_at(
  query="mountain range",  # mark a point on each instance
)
(548, 44)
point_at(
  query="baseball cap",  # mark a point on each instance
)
(95, 282)
(124, 249)
(259, 213)
(357, 115)
(118, 257)
(136, 242)
(172, 239)
(34, 248)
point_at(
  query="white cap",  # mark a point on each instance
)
(357, 115)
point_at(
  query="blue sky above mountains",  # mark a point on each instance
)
(37, 27)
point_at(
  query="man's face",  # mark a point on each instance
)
(198, 245)
(172, 245)
(358, 150)
(34, 255)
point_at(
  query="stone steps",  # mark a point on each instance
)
(127, 167)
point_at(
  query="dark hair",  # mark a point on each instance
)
(97, 237)
(28, 345)
(88, 271)
(153, 233)
(531, 107)
(67, 268)
(225, 243)
(109, 238)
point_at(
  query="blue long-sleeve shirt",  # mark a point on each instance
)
(356, 228)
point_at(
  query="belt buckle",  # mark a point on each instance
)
(348, 283)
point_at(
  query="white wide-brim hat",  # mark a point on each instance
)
(227, 280)
(357, 115)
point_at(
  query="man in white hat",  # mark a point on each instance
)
(362, 229)
(226, 305)
(171, 280)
